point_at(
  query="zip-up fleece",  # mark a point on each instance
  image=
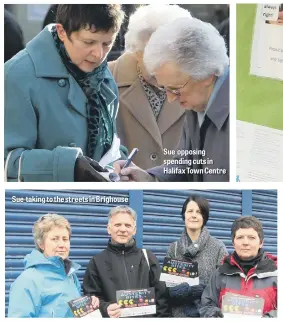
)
(260, 281)
(121, 267)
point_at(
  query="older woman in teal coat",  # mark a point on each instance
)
(61, 100)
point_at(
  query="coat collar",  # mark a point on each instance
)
(219, 109)
(48, 64)
(267, 264)
(119, 248)
(124, 70)
(46, 60)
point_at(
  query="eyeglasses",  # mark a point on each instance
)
(176, 92)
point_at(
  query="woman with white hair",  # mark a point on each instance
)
(188, 58)
(145, 119)
(49, 280)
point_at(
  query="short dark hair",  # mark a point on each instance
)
(103, 17)
(203, 205)
(247, 222)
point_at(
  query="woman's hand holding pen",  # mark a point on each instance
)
(132, 172)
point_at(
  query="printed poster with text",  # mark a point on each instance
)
(267, 47)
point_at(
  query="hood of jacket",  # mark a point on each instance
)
(38, 260)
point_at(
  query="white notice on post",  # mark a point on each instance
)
(267, 46)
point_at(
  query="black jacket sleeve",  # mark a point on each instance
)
(92, 286)
(209, 300)
(162, 307)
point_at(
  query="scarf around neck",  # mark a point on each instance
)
(155, 96)
(247, 264)
(189, 249)
(100, 131)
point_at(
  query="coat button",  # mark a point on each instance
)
(62, 82)
(72, 145)
(153, 157)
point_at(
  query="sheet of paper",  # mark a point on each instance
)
(95, 314)
(267, 46)
(259, 153)
(113, 154)
(172, 280)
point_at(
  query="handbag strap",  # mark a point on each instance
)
(145, 255)
(7, 165)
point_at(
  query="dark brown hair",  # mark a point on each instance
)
(203, 205)
(247, 222)
(100, 17)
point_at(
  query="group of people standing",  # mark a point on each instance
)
(62, 115)
(49, 280)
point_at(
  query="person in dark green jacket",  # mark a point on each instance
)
(61, 100)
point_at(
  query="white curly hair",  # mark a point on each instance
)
(195, 46)
(146, 19)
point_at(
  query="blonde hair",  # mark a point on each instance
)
(45, 223)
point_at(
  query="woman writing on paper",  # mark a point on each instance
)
(61, 100)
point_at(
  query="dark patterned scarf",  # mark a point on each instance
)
(155, 96)
(100, 131)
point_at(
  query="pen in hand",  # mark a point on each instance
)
(130, 158)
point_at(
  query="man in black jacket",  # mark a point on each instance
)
(123, 266)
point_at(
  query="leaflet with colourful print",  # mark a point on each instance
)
(235, 305)
(175, 272)
(82, 307)
(136, 302)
